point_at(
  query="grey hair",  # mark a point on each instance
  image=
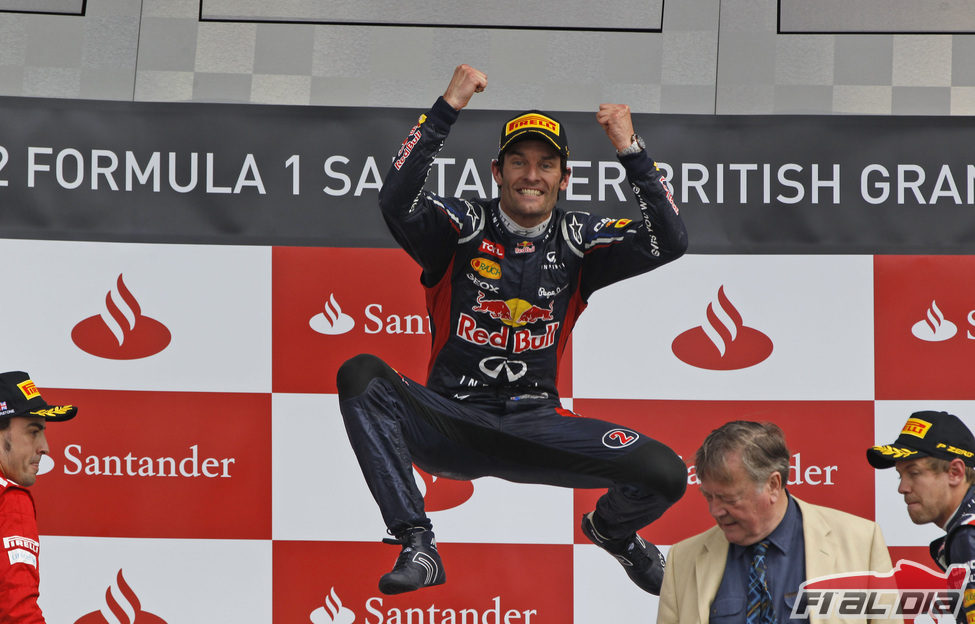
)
(762, 447)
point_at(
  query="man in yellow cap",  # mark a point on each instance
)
(23, 417)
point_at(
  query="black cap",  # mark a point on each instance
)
(20, 397)
(927, 434)
(534, 124)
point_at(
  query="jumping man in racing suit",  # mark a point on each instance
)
(505, 282)
(935, 458)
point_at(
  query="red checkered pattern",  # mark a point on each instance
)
(210, 479)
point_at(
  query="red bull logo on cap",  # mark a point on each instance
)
(532, 120)
(916, 427)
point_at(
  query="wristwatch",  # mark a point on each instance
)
(637, 144)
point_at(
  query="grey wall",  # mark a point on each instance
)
(706, 56)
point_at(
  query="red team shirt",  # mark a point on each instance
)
(19, 577)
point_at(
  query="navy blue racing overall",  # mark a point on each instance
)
(957, 547)
(501, 309)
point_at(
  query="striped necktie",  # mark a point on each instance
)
(759, 609)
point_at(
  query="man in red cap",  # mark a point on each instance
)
(934, 456)
(23, 417)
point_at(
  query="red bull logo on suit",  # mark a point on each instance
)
(513, 312)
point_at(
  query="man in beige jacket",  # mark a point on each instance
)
(766, 543)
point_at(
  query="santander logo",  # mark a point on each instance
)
(122, 606)
(724, 342)
(333, 612)
(441, 493)
(934, 327)
(121, 332)
(332, 321)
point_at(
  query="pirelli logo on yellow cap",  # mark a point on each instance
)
(29, 389)
(916, 427)
(532, 120)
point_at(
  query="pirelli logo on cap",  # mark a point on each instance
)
(916, 427)
(532, 120)
(29, 389)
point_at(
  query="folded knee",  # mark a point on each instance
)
(676, 483)
(662, 470)
(673, 478)
(356, 373)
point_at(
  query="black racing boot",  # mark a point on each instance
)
(418, 564)
(642, 561)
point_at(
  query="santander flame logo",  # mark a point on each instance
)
(934, 327)
(121, 332)
(333, 612)
(441, 493)
(122, 606)
(332, 321)
(724, 342)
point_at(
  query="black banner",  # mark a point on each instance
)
(309, 176)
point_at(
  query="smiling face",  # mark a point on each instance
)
(21, 447)
(529, 178)
(746, 511)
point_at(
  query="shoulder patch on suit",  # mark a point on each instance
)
(473, 218)
(573, 231)
(465, 217)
